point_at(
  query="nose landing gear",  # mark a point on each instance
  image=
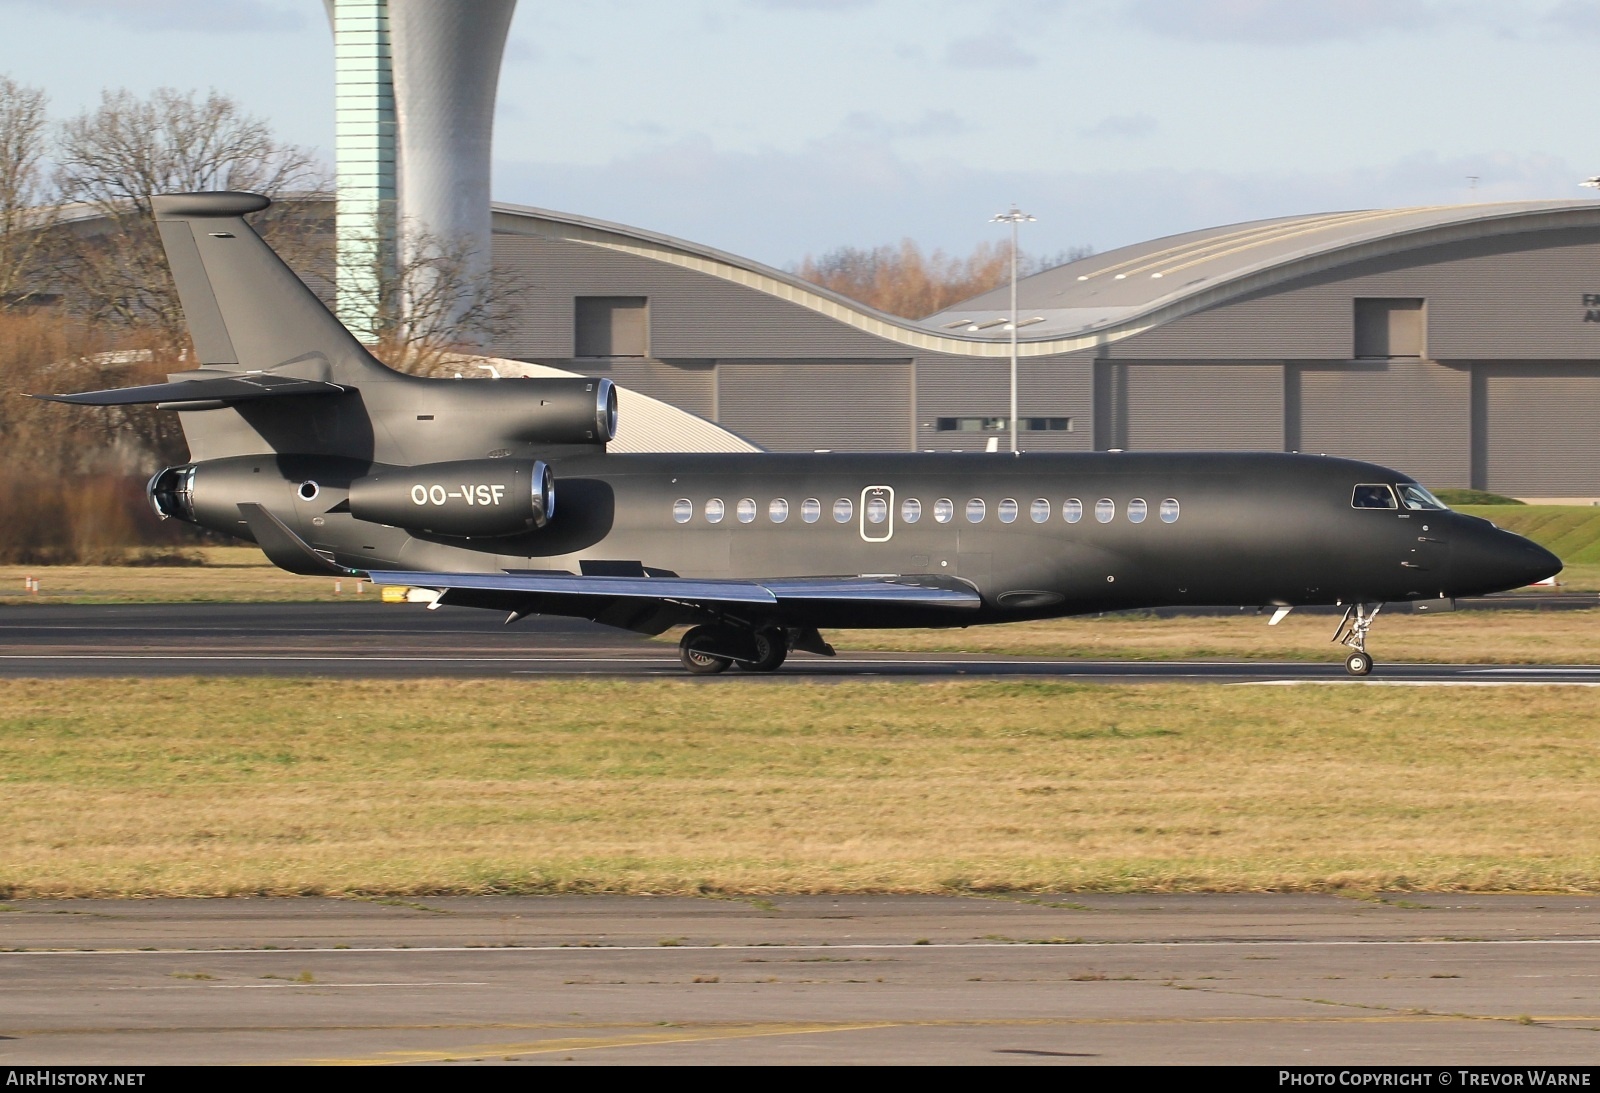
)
(1352, 631)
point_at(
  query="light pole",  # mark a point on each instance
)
(1014, 217)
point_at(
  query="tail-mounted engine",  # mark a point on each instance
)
(477, 498)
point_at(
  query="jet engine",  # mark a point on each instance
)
(570, 411)
(475, 498)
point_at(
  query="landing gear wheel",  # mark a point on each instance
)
(772, 649)
(1358, 664)
(697, 662)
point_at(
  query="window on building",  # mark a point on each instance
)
(611, 326)
(1390, 328)
(1003, 424)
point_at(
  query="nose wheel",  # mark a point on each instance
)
(1352, 631)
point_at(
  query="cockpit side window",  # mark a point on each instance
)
(1413, 496)
(1373, 496)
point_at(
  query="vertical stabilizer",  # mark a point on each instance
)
(247, 310)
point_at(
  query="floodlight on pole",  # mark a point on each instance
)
(1015, 217)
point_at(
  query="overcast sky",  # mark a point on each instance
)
(774, 128)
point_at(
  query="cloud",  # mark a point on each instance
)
(932, 124)
(207, 16)
(1121, 126)
(1574, 17)
(777, 206)
(813, 5)
(1283, 22)
(996, 51)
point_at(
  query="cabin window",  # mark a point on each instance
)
(1105, 510)
(1169, 511)
(1137, 510)
(1039, 511)
(976, 510)
(944, 510)
(745, 510)
(1414, 496)
(1373, 496)
(910, 510)
(714, 510)
(1072, 510)
(778, 510)
(682, 510)
(1008, 511)
(811, 510)
(877, 510)
(842, 510)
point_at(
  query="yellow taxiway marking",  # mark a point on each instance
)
(688, 1035)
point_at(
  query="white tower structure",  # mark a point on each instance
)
(416, 90)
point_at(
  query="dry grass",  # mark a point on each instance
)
(221, 787)
(1463, 637)
(229, 575)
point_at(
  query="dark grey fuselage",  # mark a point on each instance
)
(1252, 528)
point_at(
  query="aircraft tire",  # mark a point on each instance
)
(697, 662)
(1358, 664)
(772, 645)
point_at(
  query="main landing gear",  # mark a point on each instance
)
(707, 650)
(1352, 631)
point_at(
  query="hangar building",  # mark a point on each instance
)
(1458, 343)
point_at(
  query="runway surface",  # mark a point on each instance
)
(375, 641)
(1258, 979)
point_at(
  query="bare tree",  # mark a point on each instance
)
(903, 281)
(438, 301)
(24, 212)
(113, 158)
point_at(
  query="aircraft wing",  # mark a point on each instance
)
(913, 590)
(225, 387)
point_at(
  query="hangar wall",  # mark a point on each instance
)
(1502, 392)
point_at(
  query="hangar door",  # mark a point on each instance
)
(1539, 429)
(1182, 407)
(1408, 414)
(803, 406)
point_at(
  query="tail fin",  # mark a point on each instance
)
(248, 311)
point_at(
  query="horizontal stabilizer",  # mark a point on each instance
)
(223, 388)
(908, 591)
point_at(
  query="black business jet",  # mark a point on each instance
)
(333, 463)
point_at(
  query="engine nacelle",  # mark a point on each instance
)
(475, 498)
(570, 411)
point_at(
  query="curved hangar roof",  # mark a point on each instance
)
(1107, 297)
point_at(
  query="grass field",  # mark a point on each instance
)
(1464, 637)
(229, 787)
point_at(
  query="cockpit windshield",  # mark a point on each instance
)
(1413, 496)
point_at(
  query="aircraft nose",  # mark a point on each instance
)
(1496, 561)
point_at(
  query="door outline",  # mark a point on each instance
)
(886, 493)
